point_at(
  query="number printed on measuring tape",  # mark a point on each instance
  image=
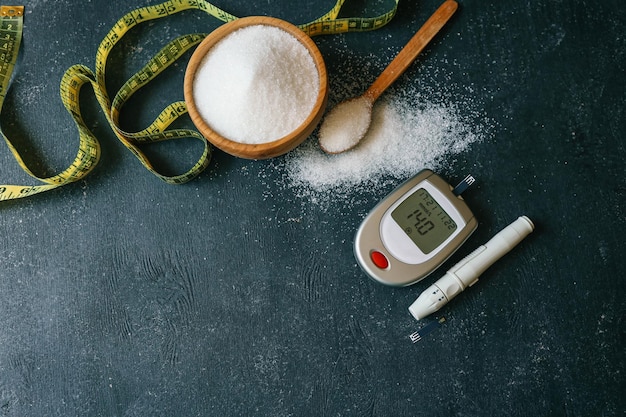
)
(77, 76)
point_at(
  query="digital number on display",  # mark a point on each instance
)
(424, 220)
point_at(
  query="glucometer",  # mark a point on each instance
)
(414, 230)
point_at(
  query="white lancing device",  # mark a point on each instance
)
(465, 273)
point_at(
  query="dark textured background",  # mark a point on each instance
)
(232, 296)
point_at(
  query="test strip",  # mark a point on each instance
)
(463, 185)
(424, 331)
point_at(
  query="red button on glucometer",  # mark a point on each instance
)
(379, 260)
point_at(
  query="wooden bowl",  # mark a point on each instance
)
(268, 149)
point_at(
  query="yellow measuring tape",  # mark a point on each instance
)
(88, 155)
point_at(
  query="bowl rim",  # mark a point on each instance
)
(268, 149)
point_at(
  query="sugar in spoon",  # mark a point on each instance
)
(346, 124)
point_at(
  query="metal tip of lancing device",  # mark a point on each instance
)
(463, 185)
(424, 331)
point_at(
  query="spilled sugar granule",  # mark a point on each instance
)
(407, 133)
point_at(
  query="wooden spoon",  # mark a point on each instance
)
(348, 122)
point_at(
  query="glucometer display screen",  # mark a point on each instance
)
(424, 221)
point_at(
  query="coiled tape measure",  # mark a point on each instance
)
(88, 155)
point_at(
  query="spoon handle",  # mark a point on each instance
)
(412, 49)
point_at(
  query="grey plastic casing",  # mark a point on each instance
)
(398, 273)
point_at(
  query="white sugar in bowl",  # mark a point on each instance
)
(256, 87)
